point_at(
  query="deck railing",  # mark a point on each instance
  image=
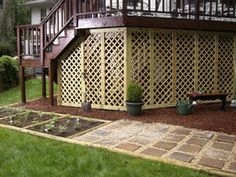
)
(221, 10)
(34, 40)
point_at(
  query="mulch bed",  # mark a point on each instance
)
(205, 116)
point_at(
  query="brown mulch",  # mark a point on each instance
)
(205, 116)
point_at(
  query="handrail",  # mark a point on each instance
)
(52, 11)
(57, 35)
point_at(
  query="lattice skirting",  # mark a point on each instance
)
(168, 64)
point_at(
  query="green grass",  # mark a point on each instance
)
(33, 90)
(24, 155)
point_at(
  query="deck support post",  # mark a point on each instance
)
(43, 83)
(51, 75)
(22, 84)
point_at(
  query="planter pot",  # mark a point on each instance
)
(184, 108)
(134, 109)
(86, 106)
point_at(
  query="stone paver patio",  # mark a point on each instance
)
(195, 147)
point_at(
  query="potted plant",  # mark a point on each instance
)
(184, 107)
(134, 99)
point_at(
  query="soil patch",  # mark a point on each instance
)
(7, 112)
(66, 126)
(23, 119)
(205, 116)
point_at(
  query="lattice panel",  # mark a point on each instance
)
(206, 62)
(225, 79)
(163, 68)
(92, 68)
(185, 59)
(114, 68)
(70, 78)
(141, 62)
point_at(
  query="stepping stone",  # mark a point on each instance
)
(165, 145)
(181, 131)
(216, 154)
(181, 157)
(153, 152)
(233, 166)
(189, 148)
(198, 141)
(213, 163)
(174, 138)
(226, 139)
(128, 146)
(223, 146)
(207, 135)
(106, 142)
(141, 140)
(87, 138)
(100, 132)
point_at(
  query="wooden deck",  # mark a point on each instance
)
(40, 45)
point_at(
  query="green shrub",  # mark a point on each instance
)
(6, 49)
(134, 93)
(8, 73)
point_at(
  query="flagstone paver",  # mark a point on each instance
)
(181, 157)
(174, 138)
(217, 154)
(106, 142)
(199, 148)
(165, 145)
(223, 146)
(226, 138)
(189, 148)
(181, 131)
(233, 166)
(203, 134)
(87, 138)
(197, 141)
(210, 162)
(101, 132)
(141, 140)
(128, 146)
(153, 152)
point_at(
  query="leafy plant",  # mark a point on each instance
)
(61, 128)
(49, 126)
(134, 93)
(8, 73)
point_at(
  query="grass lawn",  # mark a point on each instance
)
(24, 155)
(33, 90)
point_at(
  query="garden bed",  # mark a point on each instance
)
(54, 124)
(24, 118)
(4, 112)
(65, 127)
(205, 116)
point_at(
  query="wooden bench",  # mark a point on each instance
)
(209, 96)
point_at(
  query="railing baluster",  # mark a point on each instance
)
(234, 6)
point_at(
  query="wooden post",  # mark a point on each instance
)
(51, 75)
(43, 83)
(22, 84)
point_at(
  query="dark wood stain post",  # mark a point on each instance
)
(22, 84)
(51, 79)
(44, 83)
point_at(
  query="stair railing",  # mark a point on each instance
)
(34, 40)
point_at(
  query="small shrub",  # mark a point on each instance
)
(6, 49)
(134, 93)
(8, 73)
